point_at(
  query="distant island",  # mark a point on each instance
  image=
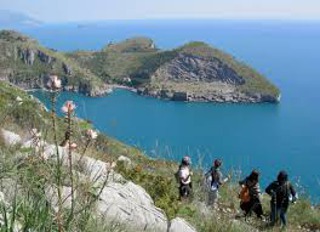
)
(193, 72)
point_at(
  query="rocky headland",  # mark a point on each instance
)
(193, 72)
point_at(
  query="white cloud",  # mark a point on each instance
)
(88, 10)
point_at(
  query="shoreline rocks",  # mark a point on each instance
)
(233, 97)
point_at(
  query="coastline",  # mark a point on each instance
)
(177, 96)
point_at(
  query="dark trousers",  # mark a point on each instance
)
(254, 205)
(278, 210)
(185, 190)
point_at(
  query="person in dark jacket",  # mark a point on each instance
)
(280, 191)
(254, 204)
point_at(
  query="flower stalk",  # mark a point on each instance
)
(54, 84)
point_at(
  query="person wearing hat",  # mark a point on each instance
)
(281, 192)
(185, 174)
(214, 178)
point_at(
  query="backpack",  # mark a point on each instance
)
(283, 193)
(244, 194)
(214, 185)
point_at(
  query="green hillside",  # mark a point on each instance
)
(26, 63)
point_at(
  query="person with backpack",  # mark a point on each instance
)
(281, 192)
(215, 178)
(184, 176)
(250, 195)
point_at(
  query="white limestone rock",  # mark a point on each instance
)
(10, 138)
(131, 205)
(180, 225)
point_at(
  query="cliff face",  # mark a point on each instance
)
(190, 77)
(26, 64)
(192, 68)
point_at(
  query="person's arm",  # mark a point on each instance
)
(269, 190)
(293, 193)
(222, 180)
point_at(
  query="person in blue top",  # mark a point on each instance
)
(215, 178)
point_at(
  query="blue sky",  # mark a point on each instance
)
(92, 10)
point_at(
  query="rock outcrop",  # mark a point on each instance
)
(180, 225)
(27, 55)
(45, 58)
(131, 204)
(191, 68)
(180, 96)
(120, 201)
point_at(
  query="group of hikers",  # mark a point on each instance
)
(281, 190)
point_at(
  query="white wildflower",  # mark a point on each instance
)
(68, 107)
(91, 134)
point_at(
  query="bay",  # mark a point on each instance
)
(264, 136)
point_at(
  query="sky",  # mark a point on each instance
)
(94, 10)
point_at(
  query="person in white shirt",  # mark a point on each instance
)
(185, 174)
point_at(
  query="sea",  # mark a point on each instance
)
(267, 137)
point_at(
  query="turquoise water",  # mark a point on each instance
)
(264, 136)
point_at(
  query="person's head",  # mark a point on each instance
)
(282, 176)
(254, 176)
(217, 163)
(186, 160)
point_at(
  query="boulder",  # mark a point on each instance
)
(52, 197)
(132, 206)
(10, 138)
(180, 225)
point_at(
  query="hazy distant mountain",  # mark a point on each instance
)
(11, 19)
